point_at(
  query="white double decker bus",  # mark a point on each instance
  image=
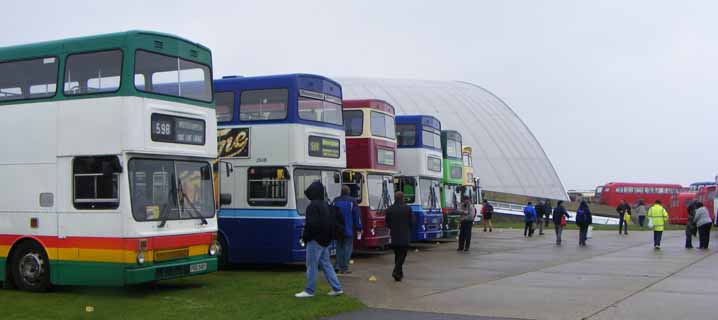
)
(106, 161)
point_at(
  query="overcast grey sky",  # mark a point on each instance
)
(613, 90)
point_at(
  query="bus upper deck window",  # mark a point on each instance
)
(265, 104)
(224, 105)
(28, 79)
(94, 72)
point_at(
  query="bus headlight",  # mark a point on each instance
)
(141, 257)
(214, 248)
(373, 233)
(301, 243)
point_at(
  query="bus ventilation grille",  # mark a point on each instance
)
(166, 255)
(159, 44)
(193, 53)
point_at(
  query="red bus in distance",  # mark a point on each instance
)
(612, 193)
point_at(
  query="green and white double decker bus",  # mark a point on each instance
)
(451, 182)
(106, 161)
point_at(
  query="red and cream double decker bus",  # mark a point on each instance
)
(106, 161)
(371, 165)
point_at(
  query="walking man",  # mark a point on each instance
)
(622, 210)
(560, 217)
(658, 217)
(352, 224)
(641, 212)
(399, 221)
(540, 208)
(466, 210)
(318, 230)
(487, 212)
(529, 218)
(584, 219)
(547, 212)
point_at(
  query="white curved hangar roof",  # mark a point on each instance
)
(507, 156)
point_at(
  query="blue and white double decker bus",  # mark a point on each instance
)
(420, 172)
(279, 133)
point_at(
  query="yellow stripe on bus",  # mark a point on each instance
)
(4, 251)
(102, 255)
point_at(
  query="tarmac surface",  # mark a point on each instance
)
(508, 276)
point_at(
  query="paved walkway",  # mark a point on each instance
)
(508, 276)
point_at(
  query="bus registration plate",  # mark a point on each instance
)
(197, 267)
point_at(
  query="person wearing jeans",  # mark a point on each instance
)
(318, 232)
(467, 223)
(584, 218)
(658, 216)
(352, 224)
(558, 213)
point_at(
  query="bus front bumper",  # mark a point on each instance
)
(170, 270)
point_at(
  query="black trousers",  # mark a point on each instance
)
(582, 234)
(622, 225)
(704, 233)
(399, 258)
(657, 235)
(641, 220)
(465, 235)
(529, 228)
(689, 238)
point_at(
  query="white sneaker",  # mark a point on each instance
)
(304, 294)
(335, 293)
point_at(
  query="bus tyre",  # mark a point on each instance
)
(30, 268)
(222, 255)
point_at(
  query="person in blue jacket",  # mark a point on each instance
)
(352, 224)
(529, 218)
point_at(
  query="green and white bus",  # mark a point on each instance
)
(106, 161)
(451, 182)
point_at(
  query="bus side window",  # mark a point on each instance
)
(96, 182)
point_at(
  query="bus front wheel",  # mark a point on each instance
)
(30, 267)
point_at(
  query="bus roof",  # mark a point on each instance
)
(376, 104)
(634, 184)
(96, 42)
(451, 134)
(303, 81)
(426, 120)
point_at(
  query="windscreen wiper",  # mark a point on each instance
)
(191, 204)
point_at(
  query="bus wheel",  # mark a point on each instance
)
(30, 268)
(223, 255)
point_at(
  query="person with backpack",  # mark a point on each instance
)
(703, 220)
(540, 207)
(319, 229)
(466, 210)
(487, 212)
(583, 220)
(624, 214)
(560, 217)
(529, 219)
(349, 210)
(657, 218)
(399, 221)
(691, 227)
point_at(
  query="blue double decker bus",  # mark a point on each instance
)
(279, 133)
(419, 164)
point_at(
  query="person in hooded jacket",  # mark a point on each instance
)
(352, 224)
(317, 235)
(558, 213)
(466, 209)
(641, 212)
(584, 218)
(399, 221)
(658, 217)
(691, 227)
(622, 209)
(703, 220)
(540, 208)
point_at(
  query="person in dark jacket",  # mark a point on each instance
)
(703, 222)
(540, 208)
(547, 212)
(317, 235)
(622, 209)
(487, 213)
(352, 224)
(399, 221)
(529, 218)
(583, 220)
(466, 210)
(691, 225)
(558, 213)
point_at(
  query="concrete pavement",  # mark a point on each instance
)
(508, 276)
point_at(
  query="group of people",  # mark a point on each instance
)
(340, 222)
(699, 222)
(543, 214)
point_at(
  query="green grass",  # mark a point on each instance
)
(572, 226)
(238, 294)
